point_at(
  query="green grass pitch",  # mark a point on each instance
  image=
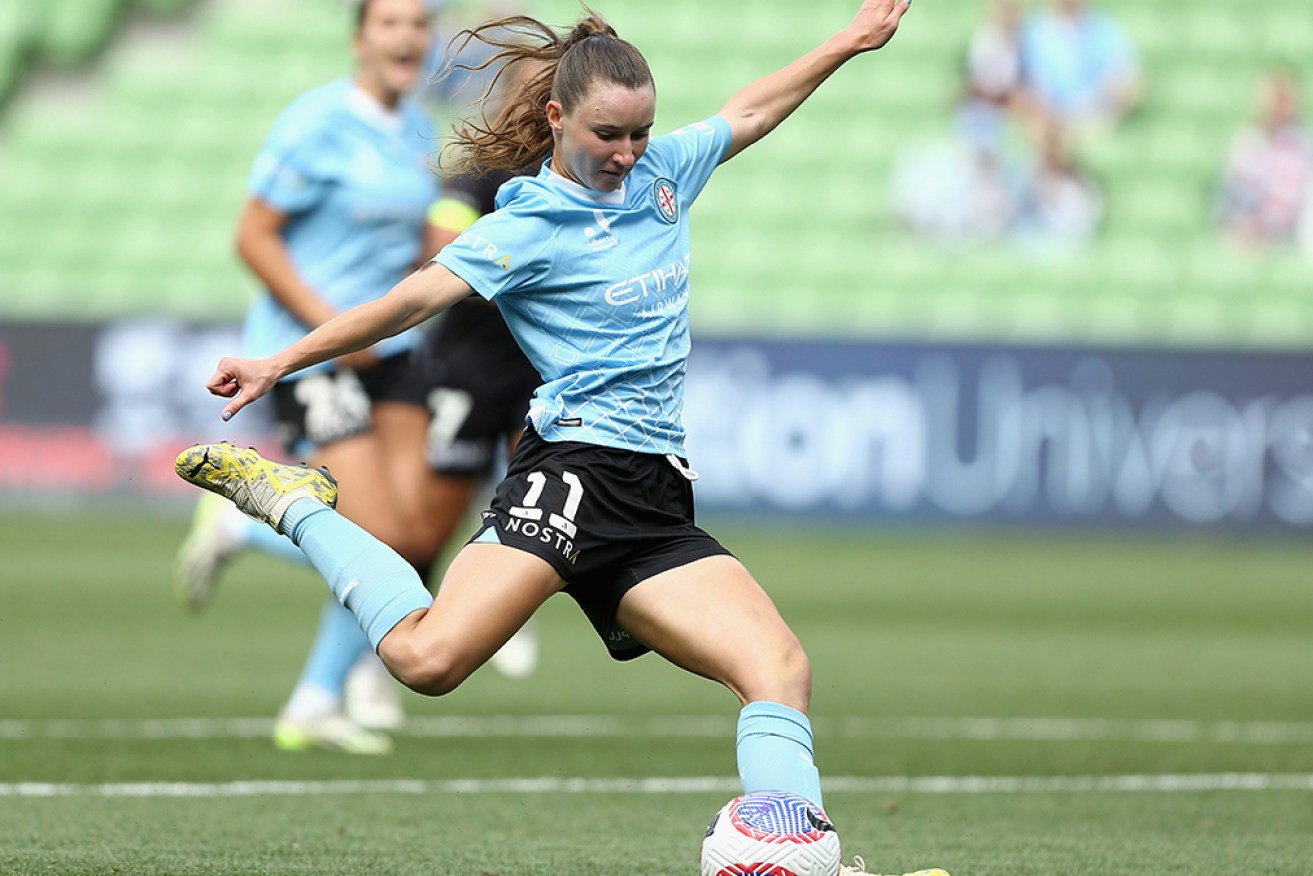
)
(998, 706)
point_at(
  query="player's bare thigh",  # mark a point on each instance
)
(711, 617)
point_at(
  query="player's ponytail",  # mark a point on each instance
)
(543, 65)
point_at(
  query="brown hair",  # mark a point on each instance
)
(517, 135)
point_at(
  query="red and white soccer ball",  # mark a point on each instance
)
(770, 833)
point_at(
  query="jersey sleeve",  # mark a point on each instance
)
(504, 252)
(690, 154)
(290, 172)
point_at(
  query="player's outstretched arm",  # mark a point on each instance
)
(428, 291)
(754, 111)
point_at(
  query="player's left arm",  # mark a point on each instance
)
(755, 111)
(423, 294)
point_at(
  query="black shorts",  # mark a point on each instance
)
(326, 407)
(605, 519)
(466, 431)
(480, 384)
(470, 424)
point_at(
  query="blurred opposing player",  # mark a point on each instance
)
(480, 380)
(589, 263)
(336, 213)
(481, 383)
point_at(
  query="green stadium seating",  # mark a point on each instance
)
(18, 29)
(64, 34)
(128, 190)
(74, 32)
(164, 7)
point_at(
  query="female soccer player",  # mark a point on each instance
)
(588, 262)
(337, 213)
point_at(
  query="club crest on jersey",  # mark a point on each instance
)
(667, 200)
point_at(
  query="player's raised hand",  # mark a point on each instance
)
(875, 23)
(242, 380)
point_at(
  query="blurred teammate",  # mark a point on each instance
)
(336, 213)
(588, 262)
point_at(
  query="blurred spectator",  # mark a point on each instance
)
(960, 190)
(1061, 207)
(994, 55)
(1079, 66)
(1265, 188)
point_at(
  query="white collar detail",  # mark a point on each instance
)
(611, 199)
(364, 104)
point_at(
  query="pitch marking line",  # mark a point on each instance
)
(691, 785)
(589, 726)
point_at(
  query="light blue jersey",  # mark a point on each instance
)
(594, 286)
(355, 182)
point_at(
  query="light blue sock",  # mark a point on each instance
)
(264, 539)
(368, 577)
(339, 643)
(775, 751)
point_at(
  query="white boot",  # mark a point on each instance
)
(518, 658)
(373, 696)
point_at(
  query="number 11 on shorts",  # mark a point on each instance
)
(564, 522)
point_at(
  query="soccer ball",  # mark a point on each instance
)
(770, 833)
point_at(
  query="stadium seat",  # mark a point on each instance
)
(164, 7)
(1213, 31)
(1285, 33)
(18, 29)
(75, 30)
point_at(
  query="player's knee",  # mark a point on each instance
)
(783, 675)
(796, 673)
(426, 670)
